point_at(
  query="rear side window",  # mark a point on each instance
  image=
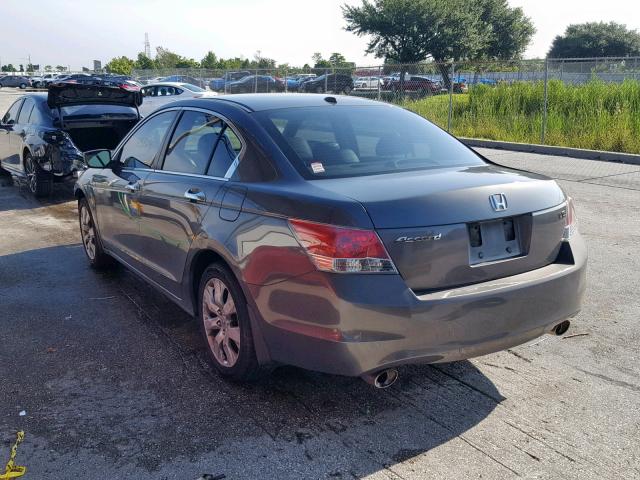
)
(143, 146)
(12, 114)
(192, 143)
(347, 141)
(227, 155)
(167, 91)
(25, 111)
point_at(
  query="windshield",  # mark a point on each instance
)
(193, 88)
(346, 141)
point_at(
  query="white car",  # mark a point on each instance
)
(367, 82)
(158, 94)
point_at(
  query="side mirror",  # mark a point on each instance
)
(97, 158)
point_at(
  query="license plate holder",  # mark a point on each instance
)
(493, 240)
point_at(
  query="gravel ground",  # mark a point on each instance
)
(114, 382)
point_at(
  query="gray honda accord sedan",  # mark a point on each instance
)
(332, 233)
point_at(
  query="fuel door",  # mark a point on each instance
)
(232, 200)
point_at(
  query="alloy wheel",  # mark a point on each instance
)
(32, 178)
(88, 233)
(221, 324)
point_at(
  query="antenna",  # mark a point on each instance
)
(147, 46)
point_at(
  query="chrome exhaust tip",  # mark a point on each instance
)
(382, 379)
(562, 328)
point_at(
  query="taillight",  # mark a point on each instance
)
(342, 250)
(130, 88)
(571, 224)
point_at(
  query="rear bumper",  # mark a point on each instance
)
(356, 324)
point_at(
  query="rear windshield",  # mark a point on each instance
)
(96, 112)
(193, 88)
(348, 141)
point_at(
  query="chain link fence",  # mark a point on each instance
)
(585, 103)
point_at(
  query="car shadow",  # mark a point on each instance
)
(62, 193)
(122, 375)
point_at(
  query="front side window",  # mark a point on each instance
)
(142, 147)
(12, 114)
(346, 141)
(192, 143)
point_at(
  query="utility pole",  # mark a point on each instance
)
(147, 46)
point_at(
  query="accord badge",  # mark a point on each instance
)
(421, 238)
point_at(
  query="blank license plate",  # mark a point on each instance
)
(493, 240)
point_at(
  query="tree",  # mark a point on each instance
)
(411, 31)
(596, 39)
(144, 63)
(48, 68)
(507, 30)
(60, 68)
(184, 62)
(120, 65)
(337, 58)
(166, 58)
(319, 62)
(21, 68)
(209, 61)
(8, 68)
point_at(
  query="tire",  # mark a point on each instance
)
(98, 258)
(225, 325)
(318, 89)
(39, 182)
(23, 86)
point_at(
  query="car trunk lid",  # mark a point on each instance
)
(66, 94)
(442, 230)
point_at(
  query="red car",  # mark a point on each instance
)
(414, 83)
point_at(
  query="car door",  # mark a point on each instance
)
(176, 196)
(117, 189)
(9, 158)
(19, 133)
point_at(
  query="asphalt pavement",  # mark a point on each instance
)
(114, 383)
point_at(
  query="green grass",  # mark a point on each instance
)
(595, 115)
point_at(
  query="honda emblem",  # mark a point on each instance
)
(498, 202)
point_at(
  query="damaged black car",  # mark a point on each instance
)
(43, 135)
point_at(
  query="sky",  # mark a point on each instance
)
(75, 32)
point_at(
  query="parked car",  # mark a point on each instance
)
(294, 81)
(333, 82)
(185, 79)
(332, 233)
(217, 84)
(256, 84)
(50, 78)
(15, 81)
(43, 136)
(367, 83)
(158, 94)
(414, 83)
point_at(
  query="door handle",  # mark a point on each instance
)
(132, 187)
(195, 195)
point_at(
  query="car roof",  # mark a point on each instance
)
(256, 102)
(170, 84)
